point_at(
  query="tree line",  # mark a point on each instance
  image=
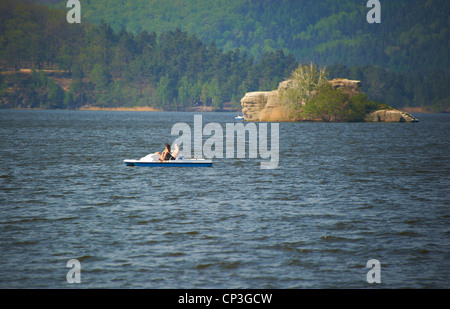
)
(428, 90)
(171, 71)
(413, 35)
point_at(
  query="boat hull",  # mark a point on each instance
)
(171, 163)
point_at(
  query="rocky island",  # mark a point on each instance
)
(337, 100)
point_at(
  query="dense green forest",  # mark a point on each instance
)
(412, 35)
(428, 91)
(173, 70)
(177, 54)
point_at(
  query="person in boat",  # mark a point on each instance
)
(166, 155)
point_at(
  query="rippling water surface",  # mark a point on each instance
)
(343, 194)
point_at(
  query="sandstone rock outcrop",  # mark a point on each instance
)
(253, 103)
(346, 85)
(390, 115)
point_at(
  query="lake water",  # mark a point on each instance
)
(343, 193)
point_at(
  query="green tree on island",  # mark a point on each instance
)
(301, 86)
(308, 95)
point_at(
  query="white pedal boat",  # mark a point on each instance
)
(153, 160)
(173, 163)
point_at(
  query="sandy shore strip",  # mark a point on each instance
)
(121, 109)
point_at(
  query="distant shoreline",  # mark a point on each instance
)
(152, 109)
(121, 109)
(421, 110)
(413, 110)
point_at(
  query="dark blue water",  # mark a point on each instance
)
(343, 194)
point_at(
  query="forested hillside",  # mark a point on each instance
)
(176, 54)
(413, 34)
(173, 70)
